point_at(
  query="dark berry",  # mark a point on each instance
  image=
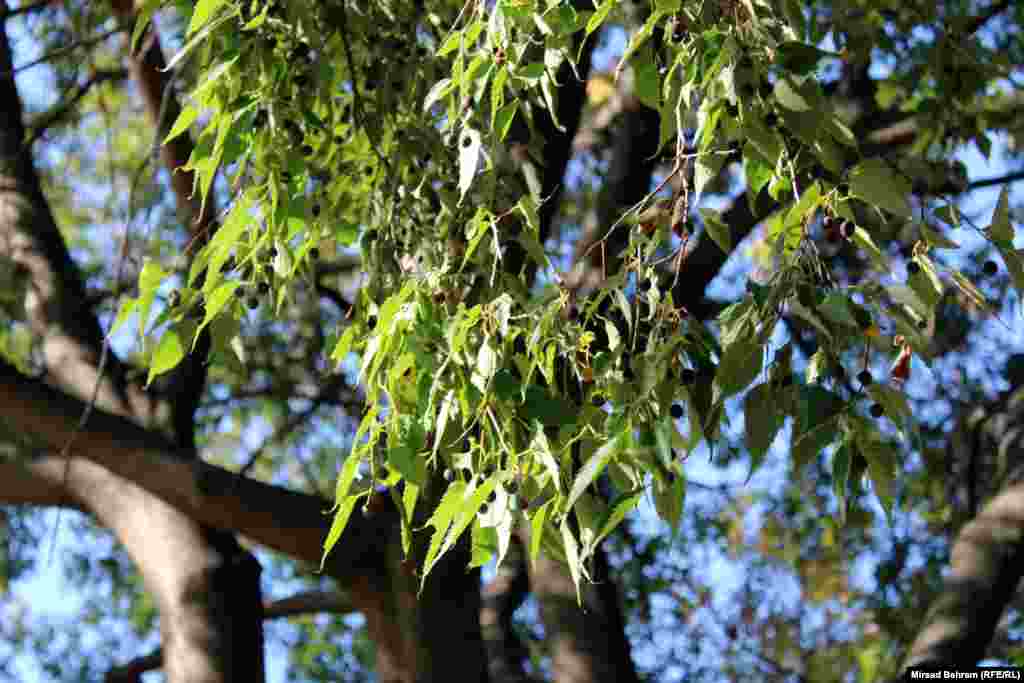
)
(263, 288)
(273, 252)
(732, 110)
(787, 380)
(990, 268)
(253, 303)
(449, 475)
(483, 508)
(846, 229)
(913, 267)
(687, 376)
(676, 411)
(645, 285)
(491, 497)
(371, 322)
(877, 410)
(467, 141)
(865, 378)
(316, 210)
(574, 312)
(922, 324)
(512, 487)
(314, 254)
(307, 150)
(771, 119)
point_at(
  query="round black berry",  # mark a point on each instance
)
(512, 487)
(990, 268)
(467, 141)
(263, 288)
(913, 267)
(922, 324)
(491, 497)
(371, 322)
(865, 378)
(877, 410)
(253, 303)
(307, 150)
(687, 376)
(316, 210)
(483, 508)
(771, 119)
(449, 475)
(676, 411)
(314, 254)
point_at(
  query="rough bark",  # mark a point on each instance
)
(987, 562)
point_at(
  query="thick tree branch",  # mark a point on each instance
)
(286, 521)
(987, 563)
(307, 602)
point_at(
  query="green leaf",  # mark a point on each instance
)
(647, 81)
(537, 524)
(762, 420)
(621, 506)
(599, 16)
(669, 498)
(170, 350)
(572, 556)
(504, 117)
(592, 468)
(343, 504)
(201, 14)
(836, 307)
(150, 278)
(1000, 229)
(740, 365)
(214, 303)
(876, 183)
(441, 520)
(717, 229)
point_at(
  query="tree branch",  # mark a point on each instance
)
(307, 602)
(998, 180)
(987, 562)
(58, 112)
(287, 521)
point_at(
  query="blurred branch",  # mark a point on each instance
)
(6, 13)
(307, 602)
(59, 111)
(998, 180)
(66, 49)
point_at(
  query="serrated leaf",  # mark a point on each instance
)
(504, 117)
(441, 521)
(215, 302)
(343, 505)
(876, 183)
(740, 365)
(592, 468)
(762, 421)
(439, 90)
(170, 351)
(621, 506)
(668, 500)
(598, 17)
